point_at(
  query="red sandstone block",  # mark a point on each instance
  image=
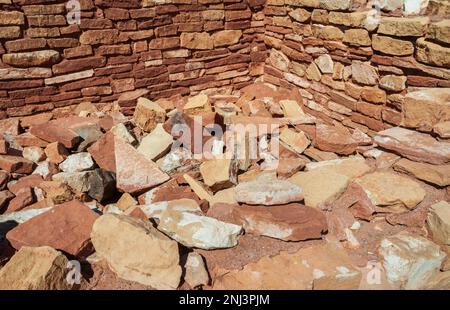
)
(122, 49)
(70, 30)
(237, 15)
(113, 69)
(391, 116)
(66, 96)
(120, 86)
(368, 121)
(79, 51)
(143, 13)
(140, 46)
(190, 27)
(214, 25)
(116, 14)
(95, 81)
(62, 42)
(25, 45)
(164, 43)
(68, 66)
(237, 25)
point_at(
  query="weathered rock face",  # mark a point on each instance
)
(148, 114)
(291, 222)
(334, 139)
(317, 267)
(410, 260)
(413, 145)
(266, 190)
(197, 231)
(136, 251)
(423, 109)
(35, 268)
(66, 227)
(395, 192)
(439, 221)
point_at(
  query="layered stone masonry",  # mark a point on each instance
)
(352, 63)
(123, 49)
(355, 61)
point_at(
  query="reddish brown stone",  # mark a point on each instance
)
(3, 146)
(54, 132)
(103, 152)
(16, 164)
(291, 222)
(66, 227)
(24, 198)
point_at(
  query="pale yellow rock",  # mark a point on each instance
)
(297, 141)
(432, 53)
(442, 129)
(320, 186)
(440, 31)
(156, 144)
(313, 73)
(122, 132)
(196, 104)
(392, 46)
(196, 40)
(218, 173)
(399, 26)
(439, 221)
(359, 37)
(224, 196)
(291, 109)
(198, 188)
(136, 251)
(387, 189)
(126, 201)
(35, 268)
(436, 174)
(196, 273)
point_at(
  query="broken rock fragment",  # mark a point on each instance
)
(436, 174)
(198, 231)
(291, 222)
(392, 191)
(414, 145)
(135, 172)
(77, 162)
(218, 173)
(196, 272)
(439, 221)
(53, 132)
(35, 268)
(66, 227)
(410, 260)
(147, 114)
(136, 251)
(268, 190)
(16, 164)
(156, 144)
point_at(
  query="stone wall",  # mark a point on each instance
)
(356, 69)
(123, 49)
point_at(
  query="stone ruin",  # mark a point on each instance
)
(139, 137)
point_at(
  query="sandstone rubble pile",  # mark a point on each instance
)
(288, 202)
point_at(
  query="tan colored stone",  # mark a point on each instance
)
(147, 114)
(156, 144)
(126, 201)
(425, 108)
(404, 27)
(136, 251)
(390, 190)
(35, 268)
(392, 46)
(32, 59)
(267, 190)
(442, 129)
(279, 60)
(318, 267)
(414, 145)
(226, 37)
(291, 108)
(358, 37)
(197, 231)
(300, 15)
(196, 272)
(313, 73)
(393, 83)
(197, 104)
(297, 141)
(291, 222)
(432, 53)
(440, 31)
(134, 171)
(436, 174)
(439, 221)
(364, 73)
(410, 260)
(319, 186)
(327, 32)
(335, 139)
(196, 40)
